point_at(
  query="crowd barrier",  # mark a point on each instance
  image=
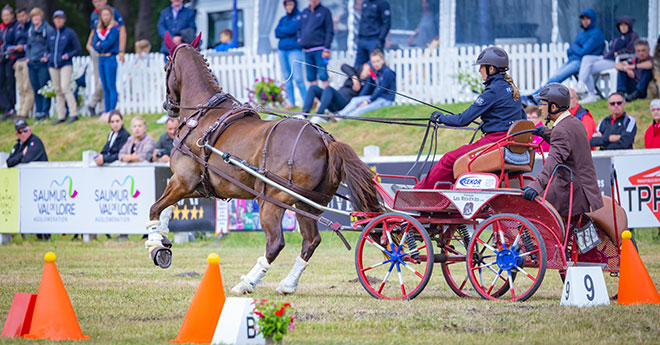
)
(69, 197)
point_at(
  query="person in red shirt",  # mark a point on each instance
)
(583, 115)
(652, 136)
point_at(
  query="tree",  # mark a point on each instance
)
(143, 22)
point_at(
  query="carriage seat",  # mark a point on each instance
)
(603, 219)
(518, 158)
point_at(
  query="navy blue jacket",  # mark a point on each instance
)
(94, 19)
(107, 44)
(21, 35)
(624, 125)
(589, 42)
(287, 30)
(111, 153)
(37, 42)
(61, 42)
(625, 44)
(8, 38)
(184, 19)
(376, 20)
(496, 107)
(386, 78)
(315, 28)
(35, 152)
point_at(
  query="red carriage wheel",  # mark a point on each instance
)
(394, 257)
(506, 250)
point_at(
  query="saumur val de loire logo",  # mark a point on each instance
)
(118, 202)
(56, 202)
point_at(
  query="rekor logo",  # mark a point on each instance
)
(645, 190)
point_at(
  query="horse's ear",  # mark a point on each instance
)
(195, 42)
(169, 43)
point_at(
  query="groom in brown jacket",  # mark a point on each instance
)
(568, 146)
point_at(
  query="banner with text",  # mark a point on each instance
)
(9, 213)
(639, 186)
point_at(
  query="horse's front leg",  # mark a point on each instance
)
(271, 222)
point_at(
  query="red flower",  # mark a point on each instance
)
(258, 313)
(280, 312)
(287, 304)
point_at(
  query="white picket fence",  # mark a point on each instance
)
(426, 74)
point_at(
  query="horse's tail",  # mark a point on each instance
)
(346, 165)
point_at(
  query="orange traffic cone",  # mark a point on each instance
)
(204, 311)
(53, 316)
(635, 283)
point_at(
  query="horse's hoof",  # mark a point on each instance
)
(166, 242)
(242, 288)
(285, 290)
(162, 257)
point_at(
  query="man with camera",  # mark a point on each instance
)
(165, 142)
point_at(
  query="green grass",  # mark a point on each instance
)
(120, 297)
(67, 142)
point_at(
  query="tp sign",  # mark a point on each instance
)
(639, 186)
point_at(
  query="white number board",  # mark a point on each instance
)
(584, 286)
(238, 324)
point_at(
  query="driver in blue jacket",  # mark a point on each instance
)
(498, 107)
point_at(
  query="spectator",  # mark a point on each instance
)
(178, 21)
(427, 29)
(374, 94)
(593, 64)
(139, 145)
(635, 73)
(63, 45)
(226, 41)
(97, 96)
(165, 143)
(37, 52)
(589, 42)
(106, 44)
(142, 48)
(315, 37)
(28, 148)
(654, 86)
(290, 50)
(20, 67)
(617, 131)
(534, 115)
(7, 60)
(116, 139)
(375, 22)
(582, 114)
(335, 100)
(652, 136)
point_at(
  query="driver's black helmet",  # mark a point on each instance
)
(555, 93)
(494, 56)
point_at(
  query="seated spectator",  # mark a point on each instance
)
(635, 73)
(106, 42)
(37, 50)
(593, 64)
(589, 42)
(116, 139)
(534, 115)
(374, 95)
(139, 146)
(653, 89)
(28, 148)
(165, 143)
(652, 136)
(60, 66)
(582, 114)
(226, 41)
(335, 100)
(617, 131)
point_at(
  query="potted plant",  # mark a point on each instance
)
(266, 93)
(275, 319)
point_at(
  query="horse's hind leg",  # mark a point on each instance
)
(271, 222)
(311, 239)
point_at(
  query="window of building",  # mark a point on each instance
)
(219, 21)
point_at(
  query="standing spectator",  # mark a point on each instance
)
(20, 67)
(63, 45)
(7, 60)
(28, 148)
(97, 96)
(427, 29)
(226, 41)
(635, 73)
(336, 100)
(617, 131)
(290, 50)
(37, 55)
(589, 42)
(139, 146)
(106, 43)
(315, 37)
(177, 20)
(654, 85)
(582, 114)
(142, 48)
(534, 115)
(375, 24)
(652, 135)
(593, 64)
(116, 139)
(374, 94)
(165, 143)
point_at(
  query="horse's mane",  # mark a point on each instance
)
(202, 65)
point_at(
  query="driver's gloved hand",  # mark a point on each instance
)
(435, 117)
(538, 131)
(529, 193)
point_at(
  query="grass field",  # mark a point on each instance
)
(121, 298)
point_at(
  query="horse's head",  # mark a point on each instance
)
(173, 74)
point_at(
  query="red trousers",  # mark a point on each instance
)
(444, 169)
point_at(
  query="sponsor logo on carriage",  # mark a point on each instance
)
(55, 203)
(117, 203)
(468, 203)
(468, 209)
(476, 181)
(645, 190)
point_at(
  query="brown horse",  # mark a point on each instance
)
(319, 165)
